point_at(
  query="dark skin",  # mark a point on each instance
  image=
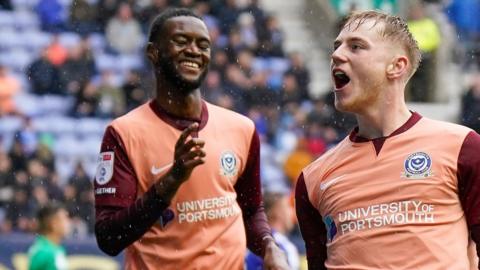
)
(184, 52)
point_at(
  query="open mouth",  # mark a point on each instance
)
(340, 78)
(190, 65)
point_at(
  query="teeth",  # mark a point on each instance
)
(190, 64)
(337, 73)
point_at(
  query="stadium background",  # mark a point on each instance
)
(69, 66)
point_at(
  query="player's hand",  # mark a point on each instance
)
(188, 154)
(275, 258)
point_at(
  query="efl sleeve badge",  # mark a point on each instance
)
(104, 168)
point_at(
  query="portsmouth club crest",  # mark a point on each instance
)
(418, 166)
(228, 164)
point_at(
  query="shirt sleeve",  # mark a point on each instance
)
(120, 217)
(312, 227)
(468, 174)
(249, 197)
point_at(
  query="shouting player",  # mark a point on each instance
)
(401, 191)
(177, 183)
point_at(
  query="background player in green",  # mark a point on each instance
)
(46, 253)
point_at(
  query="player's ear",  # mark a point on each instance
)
(398, 67)
(152, 52)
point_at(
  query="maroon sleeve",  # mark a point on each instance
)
(312, 227)
(469, 184)
(249, 197)
(120, 217)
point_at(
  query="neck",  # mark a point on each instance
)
(175, 102)
(383, 118)
(54, 238)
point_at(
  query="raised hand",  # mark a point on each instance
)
(188, 154)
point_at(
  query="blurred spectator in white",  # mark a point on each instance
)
(425, 31)
(124, 33)
(281, 218)
(51, 15)
(9, 88)
(470, 114)
(133, 90)
(111, 98)
(83, 15)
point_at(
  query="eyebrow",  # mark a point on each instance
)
(338, 42)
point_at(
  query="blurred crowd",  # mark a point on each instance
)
(94, 61)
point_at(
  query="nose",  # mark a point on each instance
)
(338, 56)
(192, 49)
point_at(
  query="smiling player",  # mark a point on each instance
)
(401, 191)
(177, 183)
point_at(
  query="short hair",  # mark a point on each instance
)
(157, 25)
(45, 213)
(394, 29)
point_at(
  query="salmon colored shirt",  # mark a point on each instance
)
(407, 201)
(213, 214)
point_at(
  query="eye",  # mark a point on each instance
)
(181, 41)
(204, 45)
(355, 47)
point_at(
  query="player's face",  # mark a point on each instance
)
(358, 66)
(61, 223)
(186, 52)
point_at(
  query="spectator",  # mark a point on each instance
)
(426, 32)
(78, 68)
(124, 33)
(7, 180)
(271, 39)
(53, 226)
(290, 91)
(9, 87)
(86, 103)
(300, 71)
(280, 216)
(43, 76)
(19, 212)
(51, 15)
(470, 110)
(151, 11)
(56, 52)
(228, 16)
(111, 98)
(82, 19)
(133, 90)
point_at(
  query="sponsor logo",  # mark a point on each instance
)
(104, 168)
(207, 209)
(103, 190)
(417, 166)
(154, 170)
(228, 164)
(330, 182)
(331, 227)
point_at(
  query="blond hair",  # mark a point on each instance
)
(394, 29)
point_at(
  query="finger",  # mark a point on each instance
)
(191, 164)
(197, 143)
(194, 154)
(185, 133)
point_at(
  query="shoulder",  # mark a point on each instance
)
(442, 129)
(229, 117)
